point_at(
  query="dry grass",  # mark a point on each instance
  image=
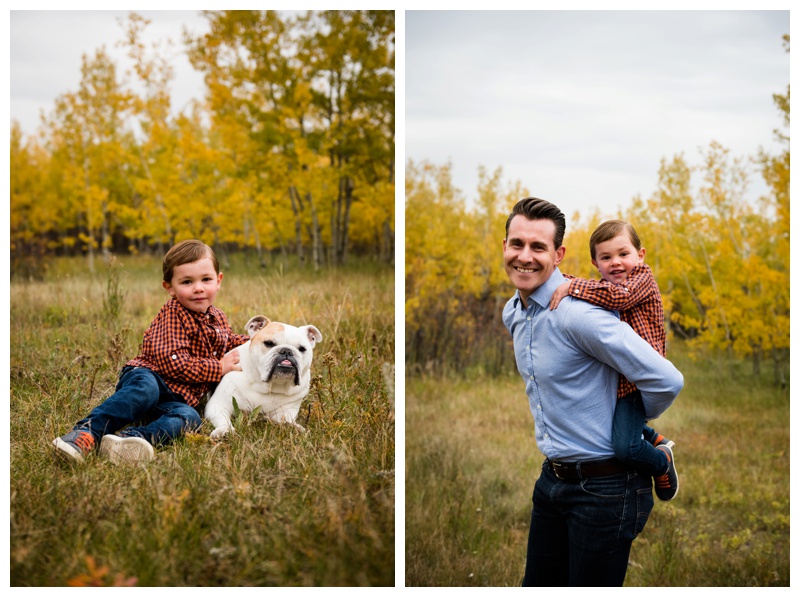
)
(267, 507)
(471, 463)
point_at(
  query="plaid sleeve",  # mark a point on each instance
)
(238, 339)
(638, 288)
(234, 340)
(174, 343)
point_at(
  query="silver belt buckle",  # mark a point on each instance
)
(557, 466)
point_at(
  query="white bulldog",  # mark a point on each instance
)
(275, 375)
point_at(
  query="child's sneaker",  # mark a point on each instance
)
(129, 449)
(660, 440)
(667, 484)
(75, 445)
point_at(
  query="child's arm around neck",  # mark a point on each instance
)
(638, 288)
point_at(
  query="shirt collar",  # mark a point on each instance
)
(542, 295)
(210, 314)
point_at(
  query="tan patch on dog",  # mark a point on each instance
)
(272, 329)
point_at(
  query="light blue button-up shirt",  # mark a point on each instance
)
(570, 359)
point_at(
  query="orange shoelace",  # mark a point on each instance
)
(662, 481)
(85, 441)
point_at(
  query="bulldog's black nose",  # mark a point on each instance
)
(285, 351)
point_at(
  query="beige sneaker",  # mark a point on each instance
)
(132, 450)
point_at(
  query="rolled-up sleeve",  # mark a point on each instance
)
(637, 288)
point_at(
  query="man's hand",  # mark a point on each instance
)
(560, 293)
(230, 362)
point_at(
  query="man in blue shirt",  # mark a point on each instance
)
(587, 506)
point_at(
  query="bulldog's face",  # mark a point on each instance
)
(283, 352)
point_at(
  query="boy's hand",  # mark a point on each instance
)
(230, 362)
(560, 293)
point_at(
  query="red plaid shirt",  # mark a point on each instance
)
(638, 301)
(185, 347)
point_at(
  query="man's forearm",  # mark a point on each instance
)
(616, 344)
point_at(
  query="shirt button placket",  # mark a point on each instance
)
(529, 319)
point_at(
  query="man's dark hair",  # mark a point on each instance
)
(539, 209)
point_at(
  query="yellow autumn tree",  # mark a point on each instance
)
(715, 256)
(291, 150)
(774, 243)
(721, 261)
(455, 280)
(152, 178)
(721, 264)
(87, 140)
(314, 94)
(37, 214)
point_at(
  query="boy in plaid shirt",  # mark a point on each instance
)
(628, 287)
(183, 354)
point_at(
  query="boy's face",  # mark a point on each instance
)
(615, 258)
(195, 284)
(529, 253)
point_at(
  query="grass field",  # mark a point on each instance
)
(472, 461)
(269, 506)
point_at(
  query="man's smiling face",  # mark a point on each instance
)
(529, 254)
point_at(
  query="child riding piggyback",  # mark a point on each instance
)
(628, 286)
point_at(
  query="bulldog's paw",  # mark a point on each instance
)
(220, 432)
(299, 427)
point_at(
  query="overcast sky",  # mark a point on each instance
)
(581, 106)
(46, 50)
(578, 106)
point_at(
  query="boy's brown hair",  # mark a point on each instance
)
(608, 230)
(187, 251)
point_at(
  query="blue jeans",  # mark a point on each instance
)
(141, 395)
(581, 531)
(626, 437)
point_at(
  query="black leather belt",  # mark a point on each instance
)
(578, 471)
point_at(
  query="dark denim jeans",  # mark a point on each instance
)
(581, 532)
(141, 395)
(626, 436)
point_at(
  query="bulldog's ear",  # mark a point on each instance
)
(255, 324)
(313, 334)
